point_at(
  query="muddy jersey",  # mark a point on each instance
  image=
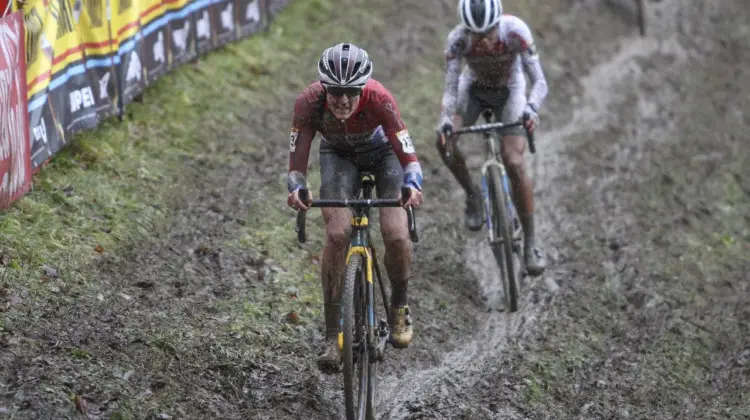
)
(500, 66)
(375, 125)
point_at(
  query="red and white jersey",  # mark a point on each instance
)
(502, 64)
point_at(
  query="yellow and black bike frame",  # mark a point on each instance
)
(360, 244)
(367, 339)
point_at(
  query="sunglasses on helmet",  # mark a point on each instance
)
(339, 91)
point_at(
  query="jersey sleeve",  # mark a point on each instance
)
(455, 47)
(386, 109)
(523, 42)
(300, 139)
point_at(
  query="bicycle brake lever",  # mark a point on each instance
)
(447, 148)
(410, 219)
(301, 237)
(304, 194)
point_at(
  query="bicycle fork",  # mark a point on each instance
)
(516, 228)
(486, 195)
(383, 333)
(373, 338)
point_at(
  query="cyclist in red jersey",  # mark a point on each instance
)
(361, 129)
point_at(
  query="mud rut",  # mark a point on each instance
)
(593, 59)
(591, 56)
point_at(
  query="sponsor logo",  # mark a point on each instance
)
(81, 98)
(103, 82)
(134, 67)
(226, 18)
(159, 48)
(293, 140)
(204, 26)
(405, 139)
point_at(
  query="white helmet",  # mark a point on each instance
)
(344, 65)
(479, 15)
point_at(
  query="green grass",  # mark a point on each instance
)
(115, 186)
(116, 183)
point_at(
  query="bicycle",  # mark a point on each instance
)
(500, 218)
(360, 340)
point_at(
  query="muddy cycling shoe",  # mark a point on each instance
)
(401, 329)
(473, 212)
(329, 360)
(534, 261)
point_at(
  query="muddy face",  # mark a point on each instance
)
(342, 106)
(484, 41)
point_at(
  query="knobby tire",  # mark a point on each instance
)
(503, 246)
(353, 301)
(372, 383)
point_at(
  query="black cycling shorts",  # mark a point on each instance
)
(339, 173)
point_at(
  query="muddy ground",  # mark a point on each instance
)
(641, 193)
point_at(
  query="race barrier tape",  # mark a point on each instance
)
(85, 60)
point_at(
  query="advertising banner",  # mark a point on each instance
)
(248, 17)
(222, 15)
(15, 168)
(98, 50)
(70, 89)
(155, 29)
(42, 32)
(205, 40)
(181, 31)
(127, 41)
(65, 65)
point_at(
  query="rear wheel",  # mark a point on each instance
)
(356, 378)
(502, 247)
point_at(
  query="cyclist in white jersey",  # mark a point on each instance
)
(497, 48)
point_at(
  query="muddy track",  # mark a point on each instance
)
(605, 82)
(185, 272)
(445, 391)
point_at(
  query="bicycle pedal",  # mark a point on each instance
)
(382, 328)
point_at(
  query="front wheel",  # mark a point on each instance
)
(353, 302)
(371, 394)
(502, 246)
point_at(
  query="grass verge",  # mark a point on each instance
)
(116, 183)
(153, 350)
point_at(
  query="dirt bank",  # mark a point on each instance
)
(640, 194)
